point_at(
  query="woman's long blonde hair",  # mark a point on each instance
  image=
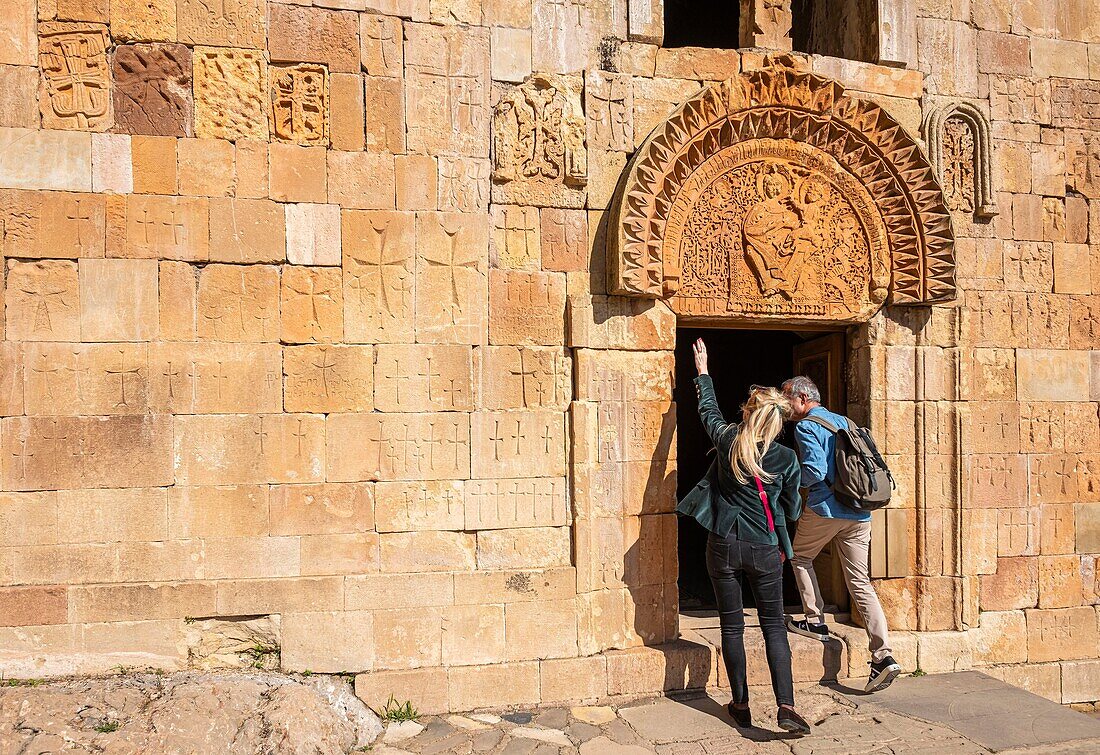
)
(765, 411)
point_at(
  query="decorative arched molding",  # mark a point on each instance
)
(961, 130)
(781, 119)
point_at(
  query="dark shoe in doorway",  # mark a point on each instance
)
(741, 716)
(790, 721)
(883, 673)
(806, 629)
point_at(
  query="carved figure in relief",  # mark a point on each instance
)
(767, 230)
(76, 75)
(299, 104)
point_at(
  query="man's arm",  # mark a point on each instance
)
(811, 452)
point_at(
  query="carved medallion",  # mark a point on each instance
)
(539, 153)
(299, 103)
(76, 77)
(812, 203)
(773, 228)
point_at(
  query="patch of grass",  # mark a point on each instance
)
(918, 672)
(22, 682)
(307, 672)
(261, 654)
(108, 726)
(395, 711)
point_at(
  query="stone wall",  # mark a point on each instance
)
(283, 336)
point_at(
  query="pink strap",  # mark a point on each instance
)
(764, 500)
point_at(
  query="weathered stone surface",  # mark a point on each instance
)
(362, 180)
(526, 308)
(227, 450)
(326, 379)
(297, 173)
(399, 446)
(316, 35)
(378, 271)
(42, 301)
(51, 160)
(144, 20)
(385, 119)
(347, 114)
(311, 304)
(18, 98)
(534, 547)
(248, 230)
(525, 378)
(152, 89)
(415, 378)
(236, 23)
(237, 303)
(300, 104)
(451, 281)
(511, 54)
(54, 224)
(1052, 375)
(230, 89)
(518, 443)
(321, 509)
(313, 234)
(118, 300)
(18, 31)
(515, 239)
(463, 184)
(381, 45)
(1064, 633)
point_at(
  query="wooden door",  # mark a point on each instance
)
(822, 360)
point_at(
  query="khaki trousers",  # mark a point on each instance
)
(853, 540)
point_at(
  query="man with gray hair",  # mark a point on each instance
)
(825, 519)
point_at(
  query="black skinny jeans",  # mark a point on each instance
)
(727, 559)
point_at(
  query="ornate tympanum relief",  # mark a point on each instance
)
(810, 203)
(959, 150)
(539, 153)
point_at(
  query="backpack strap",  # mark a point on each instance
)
(764, 500)
(820, 421)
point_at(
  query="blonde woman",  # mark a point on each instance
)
(744, 502)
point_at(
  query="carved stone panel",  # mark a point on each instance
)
(766, 23)
(76, 77)
(299, 104)
(959, 150)
(539, 152)
(777, 194)
(153, 89)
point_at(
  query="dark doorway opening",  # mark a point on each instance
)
(702, 23)
(738, 359)
(837, 28)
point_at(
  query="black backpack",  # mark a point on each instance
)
(863, 481)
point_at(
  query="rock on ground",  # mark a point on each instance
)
(188, 712)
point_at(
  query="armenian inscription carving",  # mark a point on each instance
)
(76, 77)
(539, 148)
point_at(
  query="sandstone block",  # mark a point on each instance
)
(409, 638)
(1072, 269)
(1018, 532)
(362, 180)
(654, 101)
(42, 301)
(564, 240)
(515, 238)
(426, 688)
(474, 687)
(600, 548)
(117, 452)
(399, 446)
(624, 431)
(20, 34)
(1042, 427)
(381, 45)
(19, 97)
(263, 596)
(427, 551)
(451, 283)
(624, 375)
(130, 514)
(535, 547)
(573, 679)
(349, 553)
(416, 378)
(518, 444)
(416, 177)
(1087, 527)
(463, 184)
(347, 113)
(1061, 634)
(715, 65)
(1058, 533)
(511, 54)
(53, 224)
(152, 93)
(322, 509)
(11, 379)
(111, 164)
(515, 585)
(473, 634)
(332, 642)
(313, 234)
(251, 557)
(1002, 638)
(525, 377)
(247, 230)
(1044, 375)
(297, 173)
(1060, 581)
(218, 511)
(1080, 680)
(118, 300)
(1059, 58)
(228, 450)
(100, 603)
(240, 25)
(237, 303)
(66, 49)
(316, 35)
(386, 591)
(54, 160)
(378, 270)
(385, 118)
(144, 20)
(327, 379)
(154, 164)
(502, 504)
(153, 227)
(619, 323)
(311, 304)
(252, 169)
(526, 623)
(526, 308)
(33, 606)
(1043, 680)
(205, 167)
(230, 93)
(410, 506)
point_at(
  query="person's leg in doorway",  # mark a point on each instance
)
(766, 579)
(724, 567)
(814, 533)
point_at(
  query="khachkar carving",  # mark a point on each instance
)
(539, 153)
(76, 76)
(299, 103)
(776, 194)
(766, 23)
(959, 150)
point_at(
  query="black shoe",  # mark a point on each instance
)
(883, 674)
(741, 716)
(806, 629)
(790, 721)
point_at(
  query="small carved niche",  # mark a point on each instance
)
(959, 151)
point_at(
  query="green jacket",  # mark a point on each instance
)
(725, 506)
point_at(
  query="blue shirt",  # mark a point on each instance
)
(817, 452)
